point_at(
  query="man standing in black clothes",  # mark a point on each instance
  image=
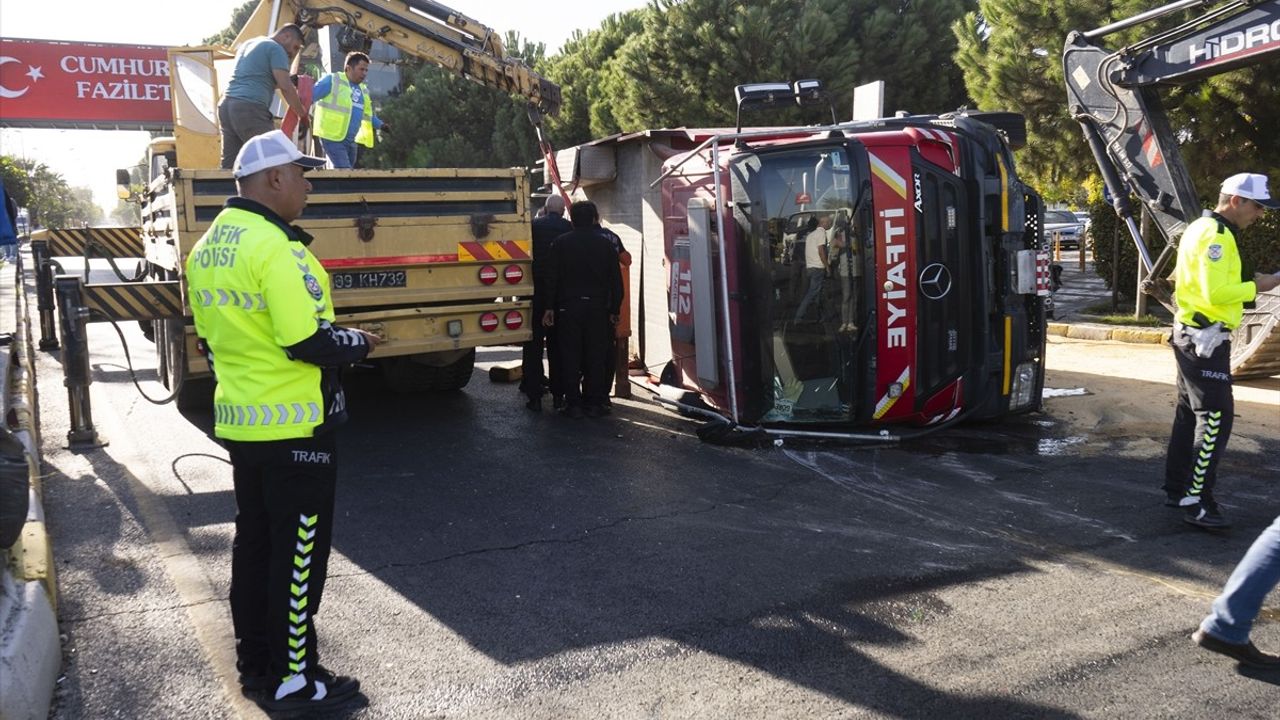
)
(611, 350)
(586, 283)
(546, 228)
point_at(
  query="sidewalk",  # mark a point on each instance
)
(30, 651)
(1084, 289)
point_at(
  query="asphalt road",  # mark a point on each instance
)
(494, 563)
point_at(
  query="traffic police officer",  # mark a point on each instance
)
(262, 310)
(611, 360)
(344, 112)
(1211, 294)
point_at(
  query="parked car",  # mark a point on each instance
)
(1086, 220)
(1063, 227)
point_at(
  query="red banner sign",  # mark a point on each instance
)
(50, 83)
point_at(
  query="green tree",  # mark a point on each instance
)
(910, 45)
(1011, 55)
(126, 213)
(582, 70)
(239, 17)
(46, 195)
(16, 181)
(682, 67)
(442, 120)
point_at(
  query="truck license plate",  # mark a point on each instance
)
(368, 279)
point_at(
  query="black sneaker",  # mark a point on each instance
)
(1205, 515)
(310, 691)
(255, 682)
(573, 411)
(557, 402)
(254, 676)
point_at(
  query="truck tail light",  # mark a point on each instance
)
(513, 274)
(489, 322)
(488, 274)
(513, 319)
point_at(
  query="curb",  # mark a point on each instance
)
(30, 648)
(1098, 331)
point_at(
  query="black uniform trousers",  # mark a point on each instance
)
(1202, 422)
(284, 523)
(582, 334)
(531, 374)
(610, 357)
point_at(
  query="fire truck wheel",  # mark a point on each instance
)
(429, 372)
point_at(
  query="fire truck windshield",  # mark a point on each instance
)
(798, 214)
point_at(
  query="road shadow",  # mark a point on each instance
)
(533, 536)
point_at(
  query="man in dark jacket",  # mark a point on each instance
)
(546, 228)
(611, 350)
(586, 283)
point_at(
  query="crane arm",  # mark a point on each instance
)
(1114, 96)
(423, 29)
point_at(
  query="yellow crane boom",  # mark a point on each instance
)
(423, 29)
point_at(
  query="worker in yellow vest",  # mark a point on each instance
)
(263, 312)
(344, 112)
(1211, 293)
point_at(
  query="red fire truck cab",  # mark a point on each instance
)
(847, 276)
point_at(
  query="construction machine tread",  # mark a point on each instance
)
(1255, 343)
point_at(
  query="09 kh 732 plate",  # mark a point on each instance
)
(365, 279)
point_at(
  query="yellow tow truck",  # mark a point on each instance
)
(436, 261)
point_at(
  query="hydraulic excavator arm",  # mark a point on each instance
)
(1114, 95)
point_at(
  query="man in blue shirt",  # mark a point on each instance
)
(344, 112)
(262, 67)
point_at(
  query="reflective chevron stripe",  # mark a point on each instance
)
(218, 297)
(264, 415)
(1212, 425)
(298, 600)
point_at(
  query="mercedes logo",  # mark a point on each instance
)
(935, 281)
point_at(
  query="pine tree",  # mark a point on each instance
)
(442, 120)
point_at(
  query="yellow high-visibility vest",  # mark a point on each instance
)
(333, 113)
(253, 292)
(1207, 276)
